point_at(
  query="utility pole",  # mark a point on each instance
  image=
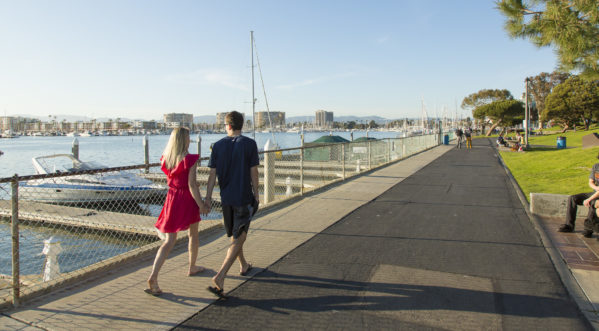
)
(526, 111)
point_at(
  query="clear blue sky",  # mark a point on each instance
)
(140, 59)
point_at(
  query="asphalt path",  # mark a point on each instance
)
(449, 247)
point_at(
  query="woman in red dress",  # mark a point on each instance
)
(182, 206)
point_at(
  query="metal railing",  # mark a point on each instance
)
(66, 225)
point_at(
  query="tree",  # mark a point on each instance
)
(372, 124)
(502, 112)
(540, 87)
(483, 97)
(570, 26)
(573, 100)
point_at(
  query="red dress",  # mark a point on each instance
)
(180, 210)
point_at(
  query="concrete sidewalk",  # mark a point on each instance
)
(117, 300)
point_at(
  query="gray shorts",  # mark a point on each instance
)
(237, 219)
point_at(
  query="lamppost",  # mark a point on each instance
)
(526, 111)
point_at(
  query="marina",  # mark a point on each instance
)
(115, 151)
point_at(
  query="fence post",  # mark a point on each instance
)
(343, 157)
(146, 153)
(75, 148)
(302, 165)
(269, 173)
(16, 283)
(389, 142)
(369, 153)
(199, 150)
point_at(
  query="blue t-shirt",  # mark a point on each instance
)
(233, 157)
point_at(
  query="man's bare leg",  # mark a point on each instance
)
(243, 264)
(232, 253)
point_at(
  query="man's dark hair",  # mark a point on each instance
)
(235, 119)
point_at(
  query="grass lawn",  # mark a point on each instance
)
(546, 169)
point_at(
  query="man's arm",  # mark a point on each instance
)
(209, 188)
(595, 195)
(254, 175)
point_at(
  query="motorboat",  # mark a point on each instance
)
(85, 188)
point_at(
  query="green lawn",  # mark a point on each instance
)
(545, 169)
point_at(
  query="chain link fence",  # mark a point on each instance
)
(75, 219)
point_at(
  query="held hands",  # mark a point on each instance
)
(207, 205)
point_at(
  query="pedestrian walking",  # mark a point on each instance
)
(468, 134)
(459, 133)
(234, 160)
(182, 206)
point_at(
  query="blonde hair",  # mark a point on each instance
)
(176, 148)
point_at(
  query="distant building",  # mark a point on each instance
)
(277, 118)
(144, 125)
(176, 120)
(9, 123)
(323, 119)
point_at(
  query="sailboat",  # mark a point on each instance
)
(273, 144)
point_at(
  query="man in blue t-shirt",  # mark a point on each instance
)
(234, 160)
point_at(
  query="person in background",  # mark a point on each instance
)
(234, 160)
(459, 133)
(501, 141)
(182, 206)
(468, 134)
(589, 200)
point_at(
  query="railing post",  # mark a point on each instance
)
(389, 142)
(269, 173)
(199, 150)
(16, 288)
(75, 148)
(146, 153)
(302, 166)
(343, 160)
(369, 153)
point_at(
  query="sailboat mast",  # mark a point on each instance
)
(253, 97)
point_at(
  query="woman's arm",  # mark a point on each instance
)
(193, 186)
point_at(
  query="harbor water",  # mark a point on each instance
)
(115, 151)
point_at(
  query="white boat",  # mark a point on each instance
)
(73, 134)
(84, 188)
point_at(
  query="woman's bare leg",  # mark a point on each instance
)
(161, 256)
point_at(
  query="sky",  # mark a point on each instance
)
(142, 59)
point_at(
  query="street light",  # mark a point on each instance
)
(526, 110)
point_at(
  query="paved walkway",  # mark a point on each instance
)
(437, 240)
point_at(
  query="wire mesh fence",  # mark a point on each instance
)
(75, 218)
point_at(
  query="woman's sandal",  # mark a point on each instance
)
(153, 291)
